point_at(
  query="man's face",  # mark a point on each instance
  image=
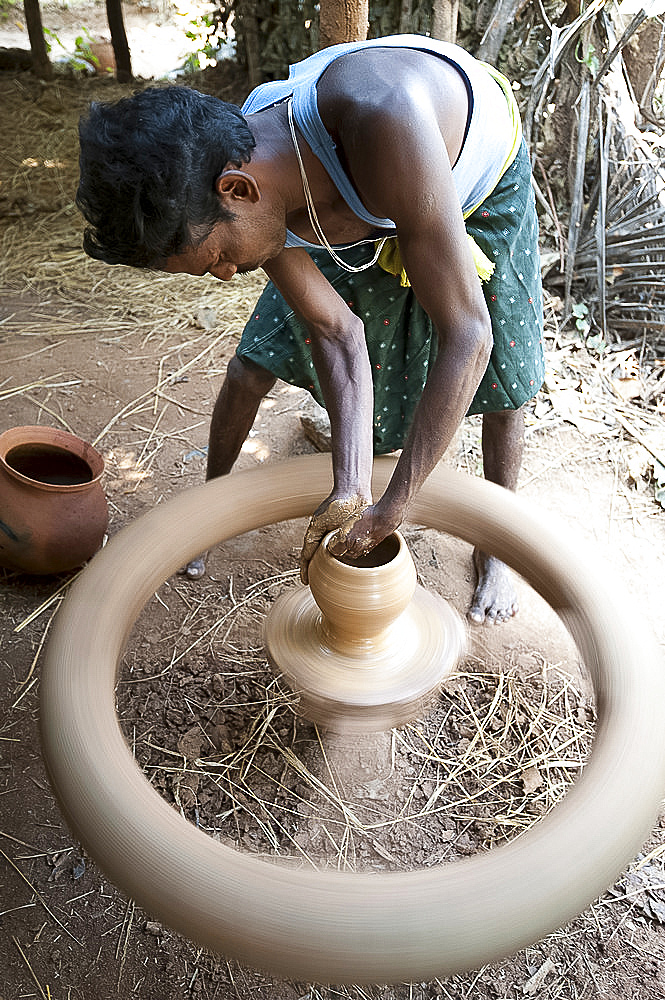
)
(236, 246)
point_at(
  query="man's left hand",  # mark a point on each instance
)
(359, 535)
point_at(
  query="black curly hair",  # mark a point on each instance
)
(148, 165)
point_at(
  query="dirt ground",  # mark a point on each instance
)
(132, 363)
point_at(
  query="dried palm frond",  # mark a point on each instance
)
(626, 255)
(615, 251)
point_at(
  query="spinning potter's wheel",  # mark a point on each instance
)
(365, 647)
(342, 927)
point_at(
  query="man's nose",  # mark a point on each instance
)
(224, 271)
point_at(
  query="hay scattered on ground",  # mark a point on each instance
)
(498, 751)
(40, 243)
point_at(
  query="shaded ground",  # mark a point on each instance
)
(132, 363)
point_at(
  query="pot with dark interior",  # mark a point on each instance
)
(53, 512)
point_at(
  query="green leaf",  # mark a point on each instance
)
(596, 344)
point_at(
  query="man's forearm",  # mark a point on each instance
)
(448, 393)
(345, 377)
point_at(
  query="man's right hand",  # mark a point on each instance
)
(332, 514)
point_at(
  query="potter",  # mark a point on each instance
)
(385, 190)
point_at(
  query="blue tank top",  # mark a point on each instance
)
(487, 145)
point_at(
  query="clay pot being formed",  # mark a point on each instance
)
(53, 512)
(360, 599)
(365, 647)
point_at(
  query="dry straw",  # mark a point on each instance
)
(499, 751)
(40, 242)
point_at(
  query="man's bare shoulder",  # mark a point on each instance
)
(390, 81)
(375, 96)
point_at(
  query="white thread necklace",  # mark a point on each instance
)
(311, 210)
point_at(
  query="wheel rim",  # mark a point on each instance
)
(342, 927)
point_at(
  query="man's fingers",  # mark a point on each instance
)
(312, 540)
(339, 543)
(339, 515)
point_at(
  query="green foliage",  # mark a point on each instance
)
(276, 32)
(83, 57)
(83, 60)
(586, 54)
(581, 314)
(203, 31)
(49, 38)
(595, 343)
(7, 7)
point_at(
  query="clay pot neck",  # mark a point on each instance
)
(382, 555)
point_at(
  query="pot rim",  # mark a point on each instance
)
(56, 438)
(358, 567)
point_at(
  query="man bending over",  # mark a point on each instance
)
(385, 189)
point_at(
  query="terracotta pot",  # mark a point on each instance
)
(53, 512)
(101, 49)
(364, 646)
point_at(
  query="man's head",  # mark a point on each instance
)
(148, 170)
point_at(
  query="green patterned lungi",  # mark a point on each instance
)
(400, 339)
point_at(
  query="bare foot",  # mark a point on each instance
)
(194, 569)
(495, 599)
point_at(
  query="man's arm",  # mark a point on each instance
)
(403, 171)
(463, 330)
(339, 353)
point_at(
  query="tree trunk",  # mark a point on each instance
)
(248, 31)
(41, 64)
(405, 15)
(503, 16)
(444, 19)
(343, 21)
(119, 41)
(644, 56)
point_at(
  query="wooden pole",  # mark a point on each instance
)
(343, 21)
(41, 64)
(119, 41)
(444, 19)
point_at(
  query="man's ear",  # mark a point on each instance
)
(237, 185)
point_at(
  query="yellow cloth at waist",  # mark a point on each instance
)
(390, 260)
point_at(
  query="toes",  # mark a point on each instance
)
(194, 569)
(481, 613)
(494, 599)
(475, 615)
